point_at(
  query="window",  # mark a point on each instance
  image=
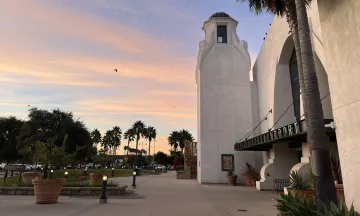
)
(221, 34)
(295, 85)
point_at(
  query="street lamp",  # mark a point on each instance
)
(66, 174)
(51, 173)
(112, 172)
(134, 180)
(103, 198)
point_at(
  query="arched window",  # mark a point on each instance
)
(295, 85)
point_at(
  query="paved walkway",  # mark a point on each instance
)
(155, 196)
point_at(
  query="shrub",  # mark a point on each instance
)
(291, 205)
(299, 181)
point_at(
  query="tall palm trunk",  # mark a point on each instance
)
(149, 150)
(319, 144)
(137, 145)
(127, 152)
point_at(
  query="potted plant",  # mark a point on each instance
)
(301, 184)
(250, 176)
(29, 176)
(336, 173)
(47, 188)
(231, 177)
(96, 178)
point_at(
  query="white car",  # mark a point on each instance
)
(28, 167)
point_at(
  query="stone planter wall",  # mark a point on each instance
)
(66, 191)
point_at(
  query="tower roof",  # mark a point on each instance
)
(219, 14)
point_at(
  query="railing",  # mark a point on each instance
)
(279, 184)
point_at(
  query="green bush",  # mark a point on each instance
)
(339, 210)
(297, 205)
(299, 181)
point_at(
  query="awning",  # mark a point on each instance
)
(292, 133)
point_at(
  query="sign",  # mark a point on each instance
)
(126, 158)
(283, 132)
(227, 162)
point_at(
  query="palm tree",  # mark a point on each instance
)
(184, 135)
(130, 136)
(96, 136)
(139, 130)
(296, 14)
(174, 140)
(116, 138)
(107, 141)
(150, 135)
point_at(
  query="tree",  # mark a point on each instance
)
(10, 128)
(296, 14)
(44, 125)
(161, 158)
(107, 142)
(130, 136)
(116, 138)
(174, 140)
(150, 135)
(96, 136)
(184, 135)
(139, 131)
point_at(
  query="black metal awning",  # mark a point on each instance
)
(290, 134)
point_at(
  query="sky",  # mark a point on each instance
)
(62, 54)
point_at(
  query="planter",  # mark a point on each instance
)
(309, 194)
(47, 191)
(247, 180)
(29, 176)
(96, 178)
(232, 180)
(340, 191)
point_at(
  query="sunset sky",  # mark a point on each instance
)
(62, 54)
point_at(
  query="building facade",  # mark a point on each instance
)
(224, 99)
(279, 130)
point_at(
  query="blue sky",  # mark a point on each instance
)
(62, 53)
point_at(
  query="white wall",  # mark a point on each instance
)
(224, 112)
(340, 26)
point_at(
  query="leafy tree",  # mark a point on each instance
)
(150, 135)
(49, 153)
(46, 125)
(139, 130)
(161, 158)
(130, 136)
(10, 128)
(96, 136)
(296, 14)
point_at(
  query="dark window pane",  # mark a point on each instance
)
(295, 85)
(221, 34)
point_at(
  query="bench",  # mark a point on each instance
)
(279, 184)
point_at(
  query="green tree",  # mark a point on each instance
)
(161, 158)
(174, 139)
(130, 136)
(116, 138)
(184, 135)
(96, 136)
(107, 142)
(10, 128)
(150, 135)
(296, 14)
(139, 131)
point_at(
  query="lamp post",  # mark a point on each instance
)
(51, 173)
(134, 180)
(103, 198)
(112, 172)
(66, 174)
(85, 170)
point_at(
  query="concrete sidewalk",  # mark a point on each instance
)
(161, 195)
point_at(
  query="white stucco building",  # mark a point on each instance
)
(275, 99)
(224, 99)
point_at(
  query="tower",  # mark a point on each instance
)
(224, 113)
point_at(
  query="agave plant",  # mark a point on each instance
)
(338, 210)
(296, 205)
(299, 181)
(252, 173)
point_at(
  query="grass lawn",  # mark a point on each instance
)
(74, 176)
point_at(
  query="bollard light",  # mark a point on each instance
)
(103, 198)
(134, 180)
(112, 171)
(66, 174)
(51, 173)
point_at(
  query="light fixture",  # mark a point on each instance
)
(134, 173)
(113, 168)
(105, 177)
(51, 171)
(66, 173)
